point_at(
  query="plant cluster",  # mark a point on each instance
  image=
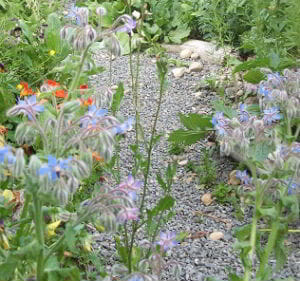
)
(69, 129)
(267, 142)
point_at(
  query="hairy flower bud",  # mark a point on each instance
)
(80, 42)
(64, 32)
(90, 33)
(108, 221)
(83, 14)
(19, 163)
(112, 44)
(34, 165)
(101, 11)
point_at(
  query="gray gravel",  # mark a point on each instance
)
(199, 257)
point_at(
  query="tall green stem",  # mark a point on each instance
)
(258, 199)
(269, 247)
(39, 229)
(79, 70)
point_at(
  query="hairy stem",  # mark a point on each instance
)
(39, 229)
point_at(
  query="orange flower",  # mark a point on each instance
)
(83, 88)
(88, 102)
(52, 83)
(61, 93)
(25, 90)
(3, 130)
(97, 157)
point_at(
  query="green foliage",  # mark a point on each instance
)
(206, 171)
(197, 126)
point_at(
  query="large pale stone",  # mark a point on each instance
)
(195, 66)
(209, 52)
(178, 72)
(186, 53)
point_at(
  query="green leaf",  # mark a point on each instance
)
(8, 267)
(254, 76)
(161, 182)
(117, 98)
(195, 121)
(95, 70)
(180, 33)
(268, 212)
(70, 274)
(165, 203)
(260, 62)
(186, 137)
(70, 235)
(228, 111)
(26, 31)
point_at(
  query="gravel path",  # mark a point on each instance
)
(200, 257)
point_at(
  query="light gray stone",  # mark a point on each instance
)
(195, 66)
(179, 72)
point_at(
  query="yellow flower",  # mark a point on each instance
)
(52, 53)
(51, 228)
(8, 195)
(20, 87)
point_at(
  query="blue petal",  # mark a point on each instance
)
(52, 161)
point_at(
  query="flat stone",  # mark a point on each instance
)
(178, 72)
(186, 53)
(195, 66)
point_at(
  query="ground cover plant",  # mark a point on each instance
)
(67, 140)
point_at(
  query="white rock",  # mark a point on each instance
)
(216, 235)
(195, 66)
(178, 72)
(209, 52)
(197, 94)
(186, 53)
(195, 56)
(183, 162)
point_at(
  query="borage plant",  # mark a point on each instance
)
(267, 143)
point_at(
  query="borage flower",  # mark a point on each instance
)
(28, 106)
(292, 186)
(243, 114)
(92, 116)
(130, 184)
(243, 177)
(123, 128)
(54, 167)
(219, 123)
(7, 155)
(127, 214)
(271, 115)
(167, 240)
(128, 26)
